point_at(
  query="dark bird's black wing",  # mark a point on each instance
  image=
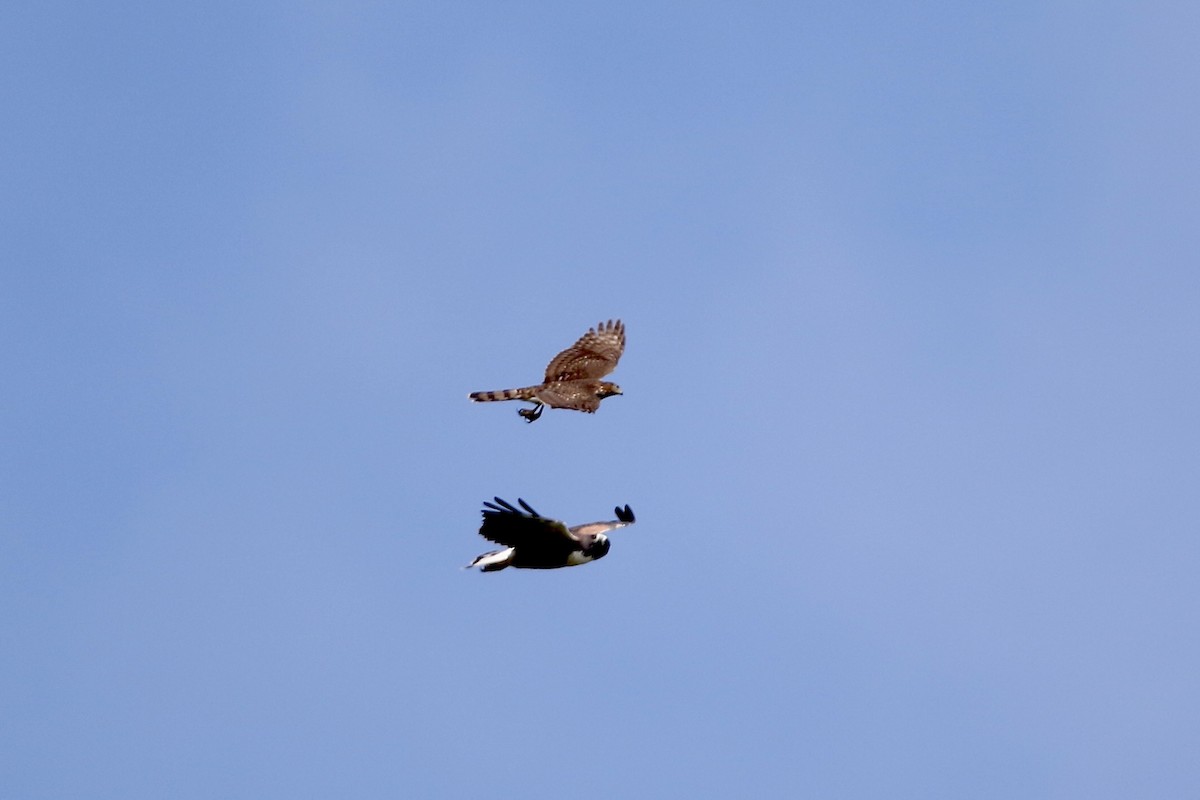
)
(504, 523)
(625, 514)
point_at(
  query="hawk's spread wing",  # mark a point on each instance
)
(507, 525)
(593, 356)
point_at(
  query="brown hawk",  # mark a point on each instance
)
(536, 542)
(573, 376)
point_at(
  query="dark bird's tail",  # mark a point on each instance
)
(493, 561)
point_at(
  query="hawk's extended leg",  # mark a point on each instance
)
(531, 414)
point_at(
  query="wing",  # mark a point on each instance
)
(593, 356)
(590, 529)
(505, 524)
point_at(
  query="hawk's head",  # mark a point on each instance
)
(608, 389)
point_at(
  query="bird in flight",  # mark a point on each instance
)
(536, 542)
(573, 376)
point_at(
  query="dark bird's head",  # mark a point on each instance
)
(608, 389)
(598, 548)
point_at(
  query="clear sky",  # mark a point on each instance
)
(910, 416)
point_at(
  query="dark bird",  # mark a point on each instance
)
(573, 376)
(536, 542)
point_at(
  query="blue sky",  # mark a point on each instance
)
(909, 419)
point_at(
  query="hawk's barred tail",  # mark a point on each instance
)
(504, 394)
